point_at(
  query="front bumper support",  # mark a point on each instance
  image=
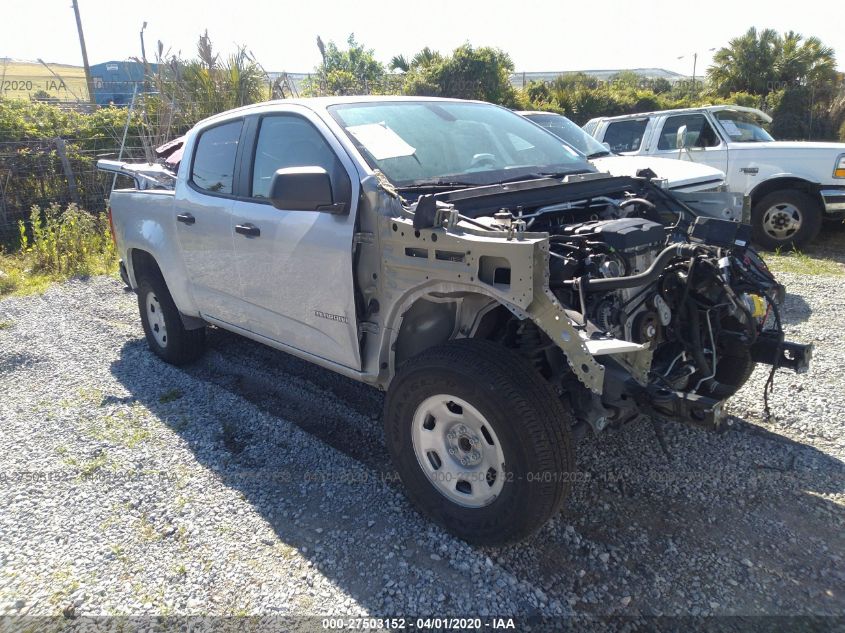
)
(794, 356)
(691, 408)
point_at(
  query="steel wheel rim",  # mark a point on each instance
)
(783, 220)
(155, 318)
(458, 451)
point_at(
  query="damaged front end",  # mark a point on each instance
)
(633, 303)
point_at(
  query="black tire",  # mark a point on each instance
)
(732, 372)
(528, 418)
(788, 202)
(180, 346)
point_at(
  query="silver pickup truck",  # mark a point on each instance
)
(504, 294)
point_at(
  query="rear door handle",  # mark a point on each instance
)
(250, 230)
(186, 218)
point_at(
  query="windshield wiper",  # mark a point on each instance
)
(539, 175)
(437, 184)
(600, 154)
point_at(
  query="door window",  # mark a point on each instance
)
(699, 132)
(291, 141)
(214, 159)
(625, 136)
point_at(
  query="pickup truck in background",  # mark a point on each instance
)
(701, 186)
(793, 185)
(506, 295)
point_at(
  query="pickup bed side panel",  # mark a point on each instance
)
(145, 220)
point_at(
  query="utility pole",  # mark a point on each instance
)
(694, 64)
(144, 59)
(143, 48)
(88, 78)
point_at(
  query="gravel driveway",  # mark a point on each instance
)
(255, 483)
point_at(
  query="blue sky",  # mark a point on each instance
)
(539, 35)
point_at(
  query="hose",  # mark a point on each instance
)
(654, 271)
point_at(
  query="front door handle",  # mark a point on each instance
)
(186, 218)
(250, 230)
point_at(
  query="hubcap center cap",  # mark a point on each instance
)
(464, 445)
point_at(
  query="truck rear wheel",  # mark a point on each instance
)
(480, 441)
(163, 327)
(785, 219)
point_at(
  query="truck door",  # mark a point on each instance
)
(203, 210)
(703, 143)
(296, 266)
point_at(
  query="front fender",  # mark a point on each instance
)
(441, 263)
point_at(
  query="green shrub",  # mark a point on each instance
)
(66, 242)
(57, 244)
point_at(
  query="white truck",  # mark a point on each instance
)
(678, 177)
(792, 185)
(504, 294)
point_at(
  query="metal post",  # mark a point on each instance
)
(71, 178)
(125, 131)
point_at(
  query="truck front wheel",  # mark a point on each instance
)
(480, 441)
(163, 327)
(785, 219)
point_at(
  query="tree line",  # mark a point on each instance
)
(791, 77)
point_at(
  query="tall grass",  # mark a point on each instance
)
(58, 244)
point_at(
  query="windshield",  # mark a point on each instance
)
(567, 131)
(743, 127)
(463, 143)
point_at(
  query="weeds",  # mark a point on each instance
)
(802, 263)
(127, 428)
(59, 244)
(87, 467)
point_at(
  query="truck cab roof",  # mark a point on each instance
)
(709, 108)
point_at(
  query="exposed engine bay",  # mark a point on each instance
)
(677, 307)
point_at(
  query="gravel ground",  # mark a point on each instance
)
(255, 483)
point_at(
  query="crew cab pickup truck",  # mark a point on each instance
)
(505, 295)
(792, 186)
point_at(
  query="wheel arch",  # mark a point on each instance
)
(142, 264)
(433, 315)
(788, 183)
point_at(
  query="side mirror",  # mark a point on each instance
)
(304, 189)
(681, 138)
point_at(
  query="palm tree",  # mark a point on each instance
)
(762, 62)
(426, 57)
(399, 62)
(747, 63)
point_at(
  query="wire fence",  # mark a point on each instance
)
(62, 169)
(40, 170)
